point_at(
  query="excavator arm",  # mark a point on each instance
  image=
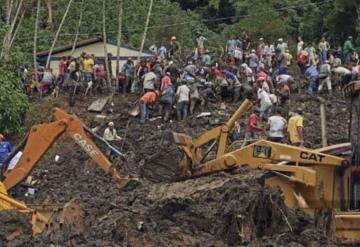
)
(42, 136)
(308, 178)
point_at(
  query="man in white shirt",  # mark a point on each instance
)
(110, 135)
(343, 74)
(265, 103)
(183, 96)
(276, 125)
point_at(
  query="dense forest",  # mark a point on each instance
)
(217, 20)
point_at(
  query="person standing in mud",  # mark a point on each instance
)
(252, 128)
(110, 135)
(296, 129)
(147, 100)
(276, 126)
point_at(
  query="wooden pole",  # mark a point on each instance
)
(119, 39)
(57, 33)
(78, 28)
(323, 124)
(35, 38)
(145, 30)
(108, 76)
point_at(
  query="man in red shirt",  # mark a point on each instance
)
(146, 100)
(251, 128)
(165, 81)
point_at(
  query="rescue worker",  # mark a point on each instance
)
(252, 127)
(325, 76)
(276, 126)
(110, 135)
(166, 101)
(183, 96)
(295, 129)
(148, 99)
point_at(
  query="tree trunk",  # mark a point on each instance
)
(9, 34)
(50, 21)
(9, 7)
(35, 38)
(17, 28)
(119, 38)
(78, 28)
(108, 76)
(145, 30)
(57, 33)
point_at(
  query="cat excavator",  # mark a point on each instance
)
(33, 147)
(308, 178)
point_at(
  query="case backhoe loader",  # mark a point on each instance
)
(33, 147)
(309, 179)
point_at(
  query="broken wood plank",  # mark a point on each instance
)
(98, 105)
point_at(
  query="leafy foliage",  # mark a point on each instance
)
(13, 103)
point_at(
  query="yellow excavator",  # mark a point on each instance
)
(33, 147)
(309, 179)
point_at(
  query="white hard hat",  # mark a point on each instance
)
(111, 124)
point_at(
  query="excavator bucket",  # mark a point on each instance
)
(346, 227)
(18, 218)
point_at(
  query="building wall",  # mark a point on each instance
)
(98, 50)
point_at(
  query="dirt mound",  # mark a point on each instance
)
(219, 210)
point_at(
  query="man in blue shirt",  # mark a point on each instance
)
(5, 149)
(312, 75)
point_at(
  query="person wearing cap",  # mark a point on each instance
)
(148, 99)
(175, 48)
(5, 149)
(323, 50)
(348, 50)
(295, 129)
(110, 135)
(325, 76)
(281, 46)
(252, 127)
(276, 127)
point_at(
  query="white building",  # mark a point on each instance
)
(91, 46)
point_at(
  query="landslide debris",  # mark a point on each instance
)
(224, 209)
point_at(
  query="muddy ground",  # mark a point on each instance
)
(224, 209)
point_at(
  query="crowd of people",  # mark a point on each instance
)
(174, 82)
